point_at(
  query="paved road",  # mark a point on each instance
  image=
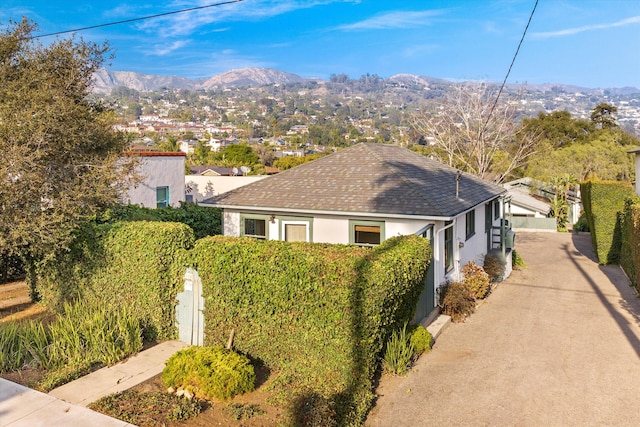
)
(556, 344)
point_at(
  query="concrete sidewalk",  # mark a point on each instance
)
(66, 405)
(556, 344)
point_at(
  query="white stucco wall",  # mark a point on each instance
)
(522, 211)
(158, 170)
(203, 187)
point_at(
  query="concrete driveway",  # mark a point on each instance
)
(556, 344)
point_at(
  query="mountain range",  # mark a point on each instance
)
(106, 80)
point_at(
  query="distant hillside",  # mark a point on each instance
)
(106, 80)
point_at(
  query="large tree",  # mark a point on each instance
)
(466, 131)
(61, 159)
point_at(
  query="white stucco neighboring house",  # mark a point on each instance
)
(368, 193)
(636, 153)
(162, 179)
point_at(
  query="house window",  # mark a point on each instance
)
(366, 233)
(496, 209)
(470, 224)
(254, 226)
(162, 197)
(448, 248)
(295, 232)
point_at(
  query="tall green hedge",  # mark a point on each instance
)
(318, 313)
(630, 252)
(128, 264)
(603, 203)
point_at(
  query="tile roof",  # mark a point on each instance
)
(366, 178)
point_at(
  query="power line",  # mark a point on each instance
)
(133, 19)
(504, 82)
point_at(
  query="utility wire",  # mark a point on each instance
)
(504, 82)
(134, 19)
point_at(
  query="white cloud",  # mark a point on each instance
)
(165, 49)
(419, 50)
(576, 30)
(392, 20)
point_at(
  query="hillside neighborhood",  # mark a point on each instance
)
(261, 249)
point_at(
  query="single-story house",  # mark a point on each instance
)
(162, 181)
(367, 193)
(526, 212)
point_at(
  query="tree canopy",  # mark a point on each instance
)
(61, 159)
(467, 131)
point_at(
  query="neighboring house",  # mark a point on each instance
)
(162, 181)
(636, 153)
(367, 193)
(526, 212)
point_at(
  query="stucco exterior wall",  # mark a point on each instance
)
(203, 187)
(158, 171)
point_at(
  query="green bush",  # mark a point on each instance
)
(399, 353)
(319, 314)
(476, 279)
(204, 221)
(517, 261)
(630, 246)
(456, 300)
(11, 268)
(494, 265)
(210, 372)
(603, 203)
(582, 224)
(420, 339)
(127, 265)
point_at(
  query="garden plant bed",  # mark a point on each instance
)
(252, 409)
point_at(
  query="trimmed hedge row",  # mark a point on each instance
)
(204, 221)
(630, 252)
(127, 264)
(603, 203)
(318, 313)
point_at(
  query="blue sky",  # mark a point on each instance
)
(591, 43)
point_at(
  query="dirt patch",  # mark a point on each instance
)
(253, 409)
(15, 303)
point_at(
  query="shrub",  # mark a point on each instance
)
(420, 339)
(318, 314)
(309, 409)
(476, 279)
(603, 203)
(516, 260)
(582, 224)
(456, 300)
(210, 372)
(399, 352)
(494, 265)
(127, 265)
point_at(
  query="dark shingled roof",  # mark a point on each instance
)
(366, 178)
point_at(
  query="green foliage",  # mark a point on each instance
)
(456, 300)
(494, 265)
(237, 155)
(630, 245)
(210, 372)
(81, 337)
(204, 221)
(11, 267)
(319, 314)
(289, 162)
(517, 261)
(61, 158)
(420, 339)
(241, 411)
(309, 409)
(476, 279)
(133, 266)
(141, 408)
(398, 353)
(603, 203)
(582, 224)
